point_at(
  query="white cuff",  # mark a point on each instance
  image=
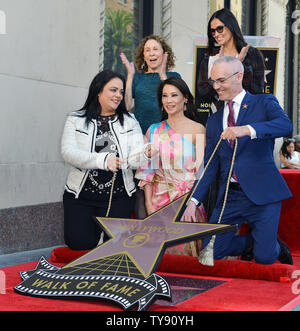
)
(252, 132)
(195, 201)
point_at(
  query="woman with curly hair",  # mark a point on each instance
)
(154, 58)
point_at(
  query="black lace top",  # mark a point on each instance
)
(98, 183)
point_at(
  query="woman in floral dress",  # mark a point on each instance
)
(181, 142)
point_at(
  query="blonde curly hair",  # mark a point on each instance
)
(139, 57)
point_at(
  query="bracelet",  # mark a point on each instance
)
(146, 151)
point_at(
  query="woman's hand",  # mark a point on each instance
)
(148, 199)
(241, 56)
(129, 65)
(151, 150)
(243, 53)
(114, 163)
(129, 101)
(149, 208)
(163, 68)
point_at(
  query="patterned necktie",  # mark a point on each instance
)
(230, 119)
(231, 122)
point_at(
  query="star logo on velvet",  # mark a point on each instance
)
(245, 106)
(266, 73)
(144, 241)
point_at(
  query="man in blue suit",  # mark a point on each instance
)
(256, 186)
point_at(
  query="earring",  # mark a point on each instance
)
(185, 106)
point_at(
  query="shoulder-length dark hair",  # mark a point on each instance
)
(184, 89)
(284, 151)
(230, 21)
(92, 106)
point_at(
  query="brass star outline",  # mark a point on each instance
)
(162, 229)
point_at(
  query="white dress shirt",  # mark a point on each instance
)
(237, 103)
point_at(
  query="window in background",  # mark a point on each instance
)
(215, 5)
(126, 24)
(234, 5)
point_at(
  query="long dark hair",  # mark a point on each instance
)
(92, 106)
(184, 89)
(229, 20)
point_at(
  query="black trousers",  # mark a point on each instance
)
(81, 230)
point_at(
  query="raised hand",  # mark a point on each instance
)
(163, 67)
(243, 53)
(129, 65)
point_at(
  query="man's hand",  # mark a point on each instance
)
(233, 132)
(163, 67)
(190, 213)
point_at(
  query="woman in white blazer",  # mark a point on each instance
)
(102, 142)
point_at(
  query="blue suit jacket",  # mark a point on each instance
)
(254, 164)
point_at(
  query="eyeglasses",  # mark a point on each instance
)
(219, 29)
(221, 80)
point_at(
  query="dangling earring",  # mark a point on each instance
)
(164, 114)
(185, 106)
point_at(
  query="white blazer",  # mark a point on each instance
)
(78, 150)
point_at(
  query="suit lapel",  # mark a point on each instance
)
(220, 114)
(246, 103)
(220, 123)
(243, 118)
(245, 107)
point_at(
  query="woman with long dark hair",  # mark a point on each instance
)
(225, 38)
(180, 141)
(102, 143)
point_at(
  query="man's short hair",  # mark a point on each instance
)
(230, 59)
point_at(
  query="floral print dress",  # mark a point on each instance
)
(173, 171)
